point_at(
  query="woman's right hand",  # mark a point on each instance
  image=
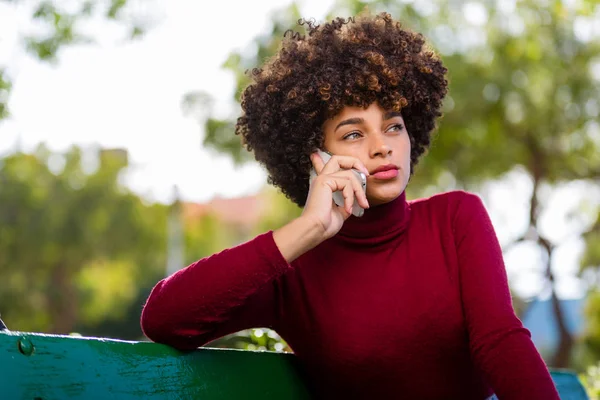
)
(333, 176)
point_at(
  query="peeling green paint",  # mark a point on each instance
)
(63, 367)
(50, 367)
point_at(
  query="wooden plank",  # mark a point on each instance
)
(48, 367)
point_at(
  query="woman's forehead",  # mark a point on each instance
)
(373, 110)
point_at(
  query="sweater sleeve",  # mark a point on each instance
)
(215, 296)
(500, 345)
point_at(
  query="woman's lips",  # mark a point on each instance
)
(389, 174)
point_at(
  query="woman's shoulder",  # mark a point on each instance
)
(455, 205)
(453, 198)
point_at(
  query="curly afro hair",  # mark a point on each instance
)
(353, 62)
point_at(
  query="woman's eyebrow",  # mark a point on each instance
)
(352, 121)
(392, 114)
(349, 121)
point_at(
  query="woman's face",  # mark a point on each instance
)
(379, 139)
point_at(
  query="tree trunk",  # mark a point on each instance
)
(562, 356)
(62, 302)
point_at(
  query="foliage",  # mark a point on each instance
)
(75, 246)
(5, 86)
(253, 339)
(591, 381)
(219, 133)
(511, 81)
(70, 265)
(281, 211)
(205, 236)
(79, 252)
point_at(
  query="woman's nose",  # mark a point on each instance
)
(380, 148)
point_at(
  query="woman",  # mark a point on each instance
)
(408, 301)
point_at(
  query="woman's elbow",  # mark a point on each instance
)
(156, 320)
(162, 328)
(153, 327)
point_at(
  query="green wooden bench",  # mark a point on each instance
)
(51, 367)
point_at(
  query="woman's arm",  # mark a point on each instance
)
(500, 346)
(226, 292)
(235, 289)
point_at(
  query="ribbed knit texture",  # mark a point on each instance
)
(410, 301)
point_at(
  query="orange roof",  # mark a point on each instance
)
(245, 211)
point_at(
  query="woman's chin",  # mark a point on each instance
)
(383, 196)
(384, 191)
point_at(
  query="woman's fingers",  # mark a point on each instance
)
(339, 174)
(348, 183)
(343, 162)
(343, 184)
(317, 162)
(357, 187)
(348, 193)
(336, 163)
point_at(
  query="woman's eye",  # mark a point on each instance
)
(397, 127)
(352, 135)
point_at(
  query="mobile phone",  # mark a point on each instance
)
(338, 197)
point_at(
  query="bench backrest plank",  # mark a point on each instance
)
(47, 367)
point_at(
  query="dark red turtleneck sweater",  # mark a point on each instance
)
(410, 301)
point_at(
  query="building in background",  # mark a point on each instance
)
(241, 215)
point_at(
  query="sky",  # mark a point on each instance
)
(117, 93)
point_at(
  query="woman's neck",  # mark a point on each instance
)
(378, 225)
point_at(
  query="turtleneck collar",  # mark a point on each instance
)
(379, 224)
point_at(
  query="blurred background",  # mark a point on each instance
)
(119, 163)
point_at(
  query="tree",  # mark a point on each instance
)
(524, 90)
(590, 269)
(76, 247)
(206, 235)
(53, 277)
